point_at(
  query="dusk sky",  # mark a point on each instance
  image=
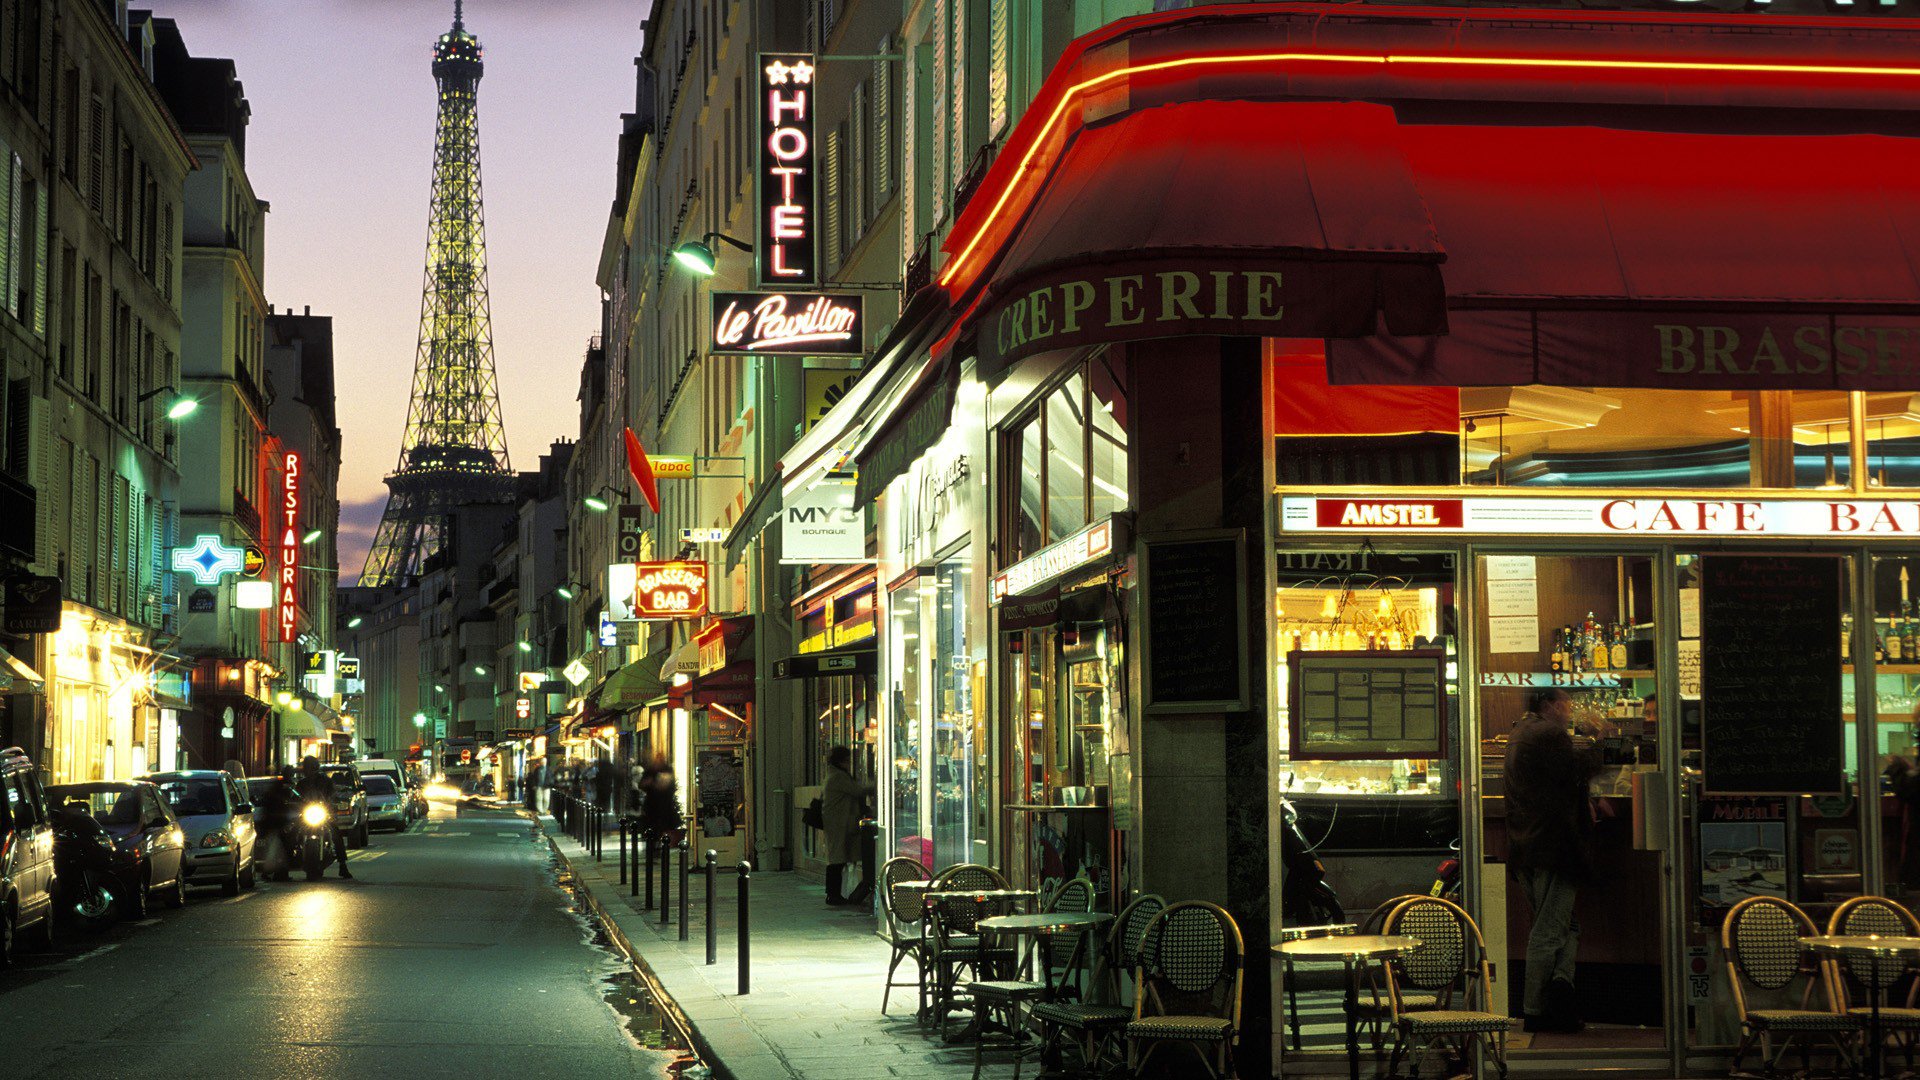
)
(341, 145)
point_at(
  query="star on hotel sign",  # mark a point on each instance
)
(208, 560)
(801, 71)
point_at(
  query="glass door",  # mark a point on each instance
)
(1571, 881)
(904, 714)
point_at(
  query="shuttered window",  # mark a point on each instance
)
(97, 157)
(835, 223)
(940, 89)
(998, 82)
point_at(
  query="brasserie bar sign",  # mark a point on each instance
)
(787, 324)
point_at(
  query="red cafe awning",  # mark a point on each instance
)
(1585, 256)
(1219, 217)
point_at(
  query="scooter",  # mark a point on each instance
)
(309, 839)
(1446, 876)
(88, 877)
(1305, 897)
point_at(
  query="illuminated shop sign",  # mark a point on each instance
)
(1804, 518)
(208, 560)
(787, 324)
(786, 172)
(656, 590)
(289, 563)
(1060, 557)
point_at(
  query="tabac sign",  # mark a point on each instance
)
(787, 324)
(786, 172)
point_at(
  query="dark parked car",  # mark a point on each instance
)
(147, 837)
(26, 856)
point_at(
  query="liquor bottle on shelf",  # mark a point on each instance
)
(1597, 645)
(1881, 646)
(1909, 627)
(1617, 647)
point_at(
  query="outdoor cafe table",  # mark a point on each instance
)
(1044, 926)
(932, 897)
(1352, 950)
(1875, 949)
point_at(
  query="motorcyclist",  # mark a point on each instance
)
(316, 786)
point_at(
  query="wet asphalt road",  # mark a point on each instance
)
(451, 953)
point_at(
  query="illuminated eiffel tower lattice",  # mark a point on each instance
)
(454, 451)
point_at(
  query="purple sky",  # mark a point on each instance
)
(341, 145)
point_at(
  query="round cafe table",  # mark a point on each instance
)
(1045, 926)
(1876, 950)
(1352, 950)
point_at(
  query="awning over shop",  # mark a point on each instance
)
(17, 678)
(1694, 199)
(852, 661)
(731, 685)
(629, 688)
(301, 725)
(923, 412)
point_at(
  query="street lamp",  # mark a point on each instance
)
(600, 501)
(696, 256)
(181, 406)
(354, 623)
(568, 589)
(312, 536)
(525, 646)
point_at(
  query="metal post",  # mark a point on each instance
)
(713, 928)
(683, 890)
(650, 843)
(746, 927)
(666, 879)
(599, 820)
(622, 824)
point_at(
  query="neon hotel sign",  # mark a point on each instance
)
(786, 172)
(1837, 519)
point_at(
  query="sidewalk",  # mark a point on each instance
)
(814, 1010)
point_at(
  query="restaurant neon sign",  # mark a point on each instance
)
(288, 564)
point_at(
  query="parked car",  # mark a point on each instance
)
(146, 836)
(217, 814)
(388, 807)
(349, 803)
(26, 856)
(386, 767)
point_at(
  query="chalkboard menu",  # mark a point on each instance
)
(1770, 674)
(1196, 641)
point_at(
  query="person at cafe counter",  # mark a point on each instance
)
(1549, 827)
(841, 799)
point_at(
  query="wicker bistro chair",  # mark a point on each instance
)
(1761, 939)
(906, 924)
(1888, 918)
(1187, 987)
(1372, 1011)
(1095, 1022)
(954, 945)
(1450, 964)
(1014, 988)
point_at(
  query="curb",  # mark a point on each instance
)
(669, 1008)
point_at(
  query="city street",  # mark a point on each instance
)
(450, 953)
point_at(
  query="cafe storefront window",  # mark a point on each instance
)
(1066, 460)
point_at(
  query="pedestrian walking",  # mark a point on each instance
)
(842, 800)
(601, 774)
(1549, 829)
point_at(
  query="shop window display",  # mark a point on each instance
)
(903, 641)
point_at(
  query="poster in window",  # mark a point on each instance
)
(1368, 705)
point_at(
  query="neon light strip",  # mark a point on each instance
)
(1068, 98)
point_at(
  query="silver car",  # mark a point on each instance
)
(388, 807)
(216, 814)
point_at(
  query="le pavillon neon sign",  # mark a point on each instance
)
(786, 172)
(287, 566)
(791, 324)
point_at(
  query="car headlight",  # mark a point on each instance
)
(216, 838)
(314, 814)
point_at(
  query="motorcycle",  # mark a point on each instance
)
(1446, 876)
(88, 871)
(1305, 897)
(310, 836)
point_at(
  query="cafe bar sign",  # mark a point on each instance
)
(788, 224)
(787, 324)
(1838, 519)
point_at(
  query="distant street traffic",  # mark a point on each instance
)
(450, 953)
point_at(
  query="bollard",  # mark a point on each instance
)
(652, 842)
(622, 823)
(713, 928)
(746, 926)
(599, 832)
(666, 878)
(683, 890)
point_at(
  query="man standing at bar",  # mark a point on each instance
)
(1548, 827)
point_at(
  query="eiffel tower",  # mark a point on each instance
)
(454, 451)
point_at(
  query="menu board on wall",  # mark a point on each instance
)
(1195, 647)
(1368, 705)
(1770, 674)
